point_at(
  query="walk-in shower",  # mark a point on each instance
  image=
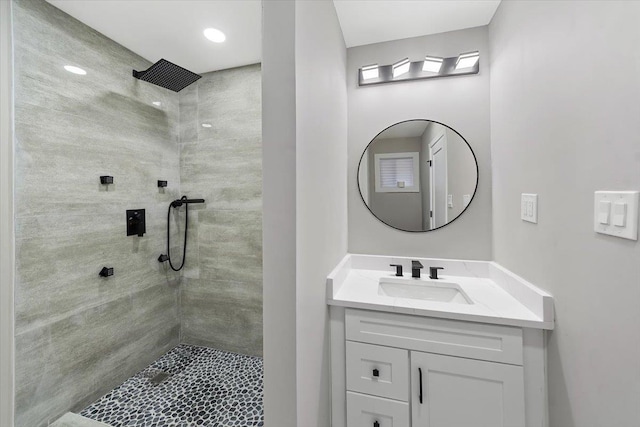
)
(176, 204)
(102, 329)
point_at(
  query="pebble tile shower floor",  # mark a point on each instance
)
(206, 387)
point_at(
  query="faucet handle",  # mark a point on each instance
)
(398, 269)
(433, 272)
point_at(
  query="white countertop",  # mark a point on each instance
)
(498, 296)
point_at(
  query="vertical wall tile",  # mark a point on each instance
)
(221, 302)
(79, 335)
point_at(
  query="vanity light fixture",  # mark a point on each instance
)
(214, 35)
(467, 60)
(157, 103)
(401, 67)
(432, 64)
(206, 125)
(370, 72)
(75, 70)
(431, 67)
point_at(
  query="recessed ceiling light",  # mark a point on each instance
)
(370, 72)
(206, 125)
(432, 63)
(467, 60)
(75, 70)
(401, 67)
(214, 35)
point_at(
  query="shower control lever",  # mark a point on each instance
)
(136, 224)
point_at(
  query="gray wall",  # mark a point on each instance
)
(402, 210)
(6, 217)
(221, 298)
(78, 335)
(565, 84)
(279, 212)
(321, 195)
(305, 203)
(460, 102)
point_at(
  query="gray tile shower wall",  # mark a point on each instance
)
(79, 335)
(221, 297)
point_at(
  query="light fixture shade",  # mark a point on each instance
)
(467, 60)
(432, 64)
(401, 67)
(370, 72)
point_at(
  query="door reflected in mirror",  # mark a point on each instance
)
(418, 175)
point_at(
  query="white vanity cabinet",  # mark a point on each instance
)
(402, 370)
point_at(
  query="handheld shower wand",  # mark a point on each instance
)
(176, 204)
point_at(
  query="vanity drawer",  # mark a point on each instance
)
(451, 337)
(366, 411)
(391, 365)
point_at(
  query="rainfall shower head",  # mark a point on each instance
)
(167, 75)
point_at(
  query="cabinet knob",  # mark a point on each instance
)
(376, 373)
(376, 424)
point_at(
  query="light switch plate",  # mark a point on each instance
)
(466, 199)
(529, 207)
(623, 218)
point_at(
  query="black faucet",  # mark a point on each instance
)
(433, 272)
(416, 266)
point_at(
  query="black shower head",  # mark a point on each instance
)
(167, 75)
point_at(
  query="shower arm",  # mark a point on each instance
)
(179, 202)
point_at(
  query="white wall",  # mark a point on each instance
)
(279, 212)
(305, 203)
(565, 91)
(321, 165)
(460, 102)
(6, 217)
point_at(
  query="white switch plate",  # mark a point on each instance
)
(623, 203)
(529, 207)
(466, 199)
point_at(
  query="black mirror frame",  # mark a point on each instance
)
(475, 190)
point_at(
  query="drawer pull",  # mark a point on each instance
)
(376, 424)
(376, 373)
(420, 385)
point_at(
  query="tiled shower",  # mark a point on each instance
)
(79, 335)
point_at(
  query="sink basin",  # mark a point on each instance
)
(426, 290)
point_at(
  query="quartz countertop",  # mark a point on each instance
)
(498, 296)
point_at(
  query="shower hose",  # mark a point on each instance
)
(186, 226)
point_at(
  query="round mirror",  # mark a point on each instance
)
(418, 175)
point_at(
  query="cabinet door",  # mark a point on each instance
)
(457, 392)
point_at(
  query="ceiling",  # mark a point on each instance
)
(374, 21)
(172, 29)
(408, 129)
